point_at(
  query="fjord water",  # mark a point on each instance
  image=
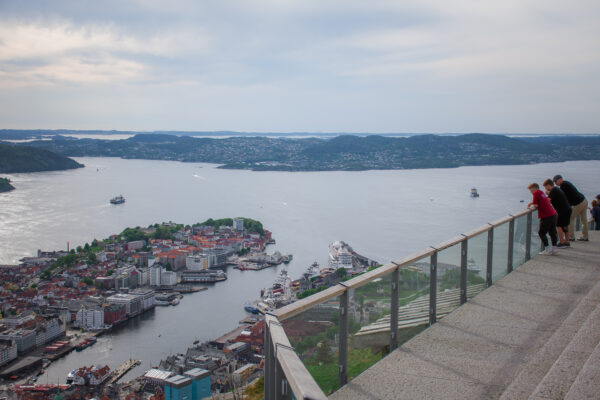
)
(382, 214)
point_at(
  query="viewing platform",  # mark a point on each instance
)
(534, 334)
(480, 316)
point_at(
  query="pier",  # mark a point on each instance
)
(122, 370)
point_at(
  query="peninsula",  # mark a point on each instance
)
(16, 158)
(344, 152)
(5, 185)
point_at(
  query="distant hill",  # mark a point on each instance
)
(17, 158)
(5, 185)
(344, 152)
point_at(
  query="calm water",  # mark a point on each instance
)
(383, 214)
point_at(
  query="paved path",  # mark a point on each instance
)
(535, 334)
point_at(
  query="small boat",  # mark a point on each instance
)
(85, 344)
(251, 309)
(117, 200)
(287, 259)
(474, 192)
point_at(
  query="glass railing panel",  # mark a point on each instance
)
(520, 241)
(536, 243)
(448, 280)
(500, 253)
(369, 324)
(413, 299)
(476, 264)
(314, 335)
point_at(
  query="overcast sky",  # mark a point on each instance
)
(302, 65)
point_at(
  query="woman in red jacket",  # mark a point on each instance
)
(547, 216)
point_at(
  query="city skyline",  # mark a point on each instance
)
(305, 66)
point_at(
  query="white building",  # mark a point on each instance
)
(8, 351)
(90, 318)
(133, 303)
(168, 278)
(144, 274)
(48, 331)
(197, 262)
(238, 224)
(148, 297)
(154, 274)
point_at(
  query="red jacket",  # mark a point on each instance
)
(545, 208)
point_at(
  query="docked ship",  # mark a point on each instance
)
(474, 192)
(340, 256)
(86, 343)
(117, 200)
(203, 276)
(280, 293)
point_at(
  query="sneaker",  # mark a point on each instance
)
(553, 250)
(572, 239)
(563, 245)
(546, 252)
(581, 239)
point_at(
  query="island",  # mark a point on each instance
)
(5, 185)
(343, 152)
(18, 158)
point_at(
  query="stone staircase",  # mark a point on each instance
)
(567, 366)
(534, 334)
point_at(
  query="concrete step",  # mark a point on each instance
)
(533, 372)
(564, 371)
(587, 384)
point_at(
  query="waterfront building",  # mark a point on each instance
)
(114, 313)
(90, 318)
(178, 387)
(8, 351)
(24, 338)
(238, 224)
(200, 382)
(48, 331)
(157, 376)
(148, 297)
(168, 278)
(197, 262)
(133, 303)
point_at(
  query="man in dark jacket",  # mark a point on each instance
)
(579, 206)
(561, 205)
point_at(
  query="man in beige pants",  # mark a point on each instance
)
(579, 205)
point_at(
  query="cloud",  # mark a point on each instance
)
(46, 54)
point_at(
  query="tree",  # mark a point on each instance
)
(79, 249)
(341, 272)
(92, 259)
(109, 272)
(87, 281)
(323, 355)
(86, 247)
(169, 267)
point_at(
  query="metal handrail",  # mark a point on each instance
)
(286, 375)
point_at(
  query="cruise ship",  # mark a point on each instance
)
(94, 375)
(340, 256)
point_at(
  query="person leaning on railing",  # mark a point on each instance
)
(579, 204)
(548, 217)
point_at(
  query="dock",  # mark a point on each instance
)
(122, 370)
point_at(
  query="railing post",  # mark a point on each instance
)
(433, 288)
(343, 339)
(511, 241)
(394, 309)
(528, 237)
(282, 388)
(463, 271)
(270, 361)
(490, 256)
